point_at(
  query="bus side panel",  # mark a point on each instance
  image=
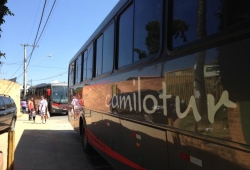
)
(131, 143)
(217, 95)
(148, 147)
(187, 152)
(111, 135)
(152, 142)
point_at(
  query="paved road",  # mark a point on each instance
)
(54, 145)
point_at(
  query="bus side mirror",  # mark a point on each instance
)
(48, 92)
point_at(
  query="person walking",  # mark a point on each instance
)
(24, 105)
(33, 114)
(43, 109)
(31, 106)
(75, 104)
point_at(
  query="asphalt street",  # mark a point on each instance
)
(51, 146)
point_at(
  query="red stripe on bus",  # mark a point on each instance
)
(103, 147)
(55, 104)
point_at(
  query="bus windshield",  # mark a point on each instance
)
(59, 94)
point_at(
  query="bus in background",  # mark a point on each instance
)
(164, 84)
(55, 93)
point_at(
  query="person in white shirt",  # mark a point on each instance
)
(43, 109)
(75, 104)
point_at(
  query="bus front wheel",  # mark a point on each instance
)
(86, 146)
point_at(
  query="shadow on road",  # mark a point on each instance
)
(55, 149)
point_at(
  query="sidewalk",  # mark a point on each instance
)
(28, 131)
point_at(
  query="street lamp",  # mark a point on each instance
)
(40, 59)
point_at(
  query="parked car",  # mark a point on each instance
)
(8, 113)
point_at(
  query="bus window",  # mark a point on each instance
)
(99, 56)
(139, 32)
(88, 63)
(105, 51)
(147, 23)
(125, 38)
(72, 74)
(193, 20)
(108, 49)
(78, 69)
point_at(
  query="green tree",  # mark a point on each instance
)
(4, 10)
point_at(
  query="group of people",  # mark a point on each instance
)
(42, 109)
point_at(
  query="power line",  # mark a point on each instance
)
(50, 67)
(35, 66)
(34, 45)
(18, 63)
(50, 77)
(29, 57)
(37, 32)
(46, 21)
(34, 21)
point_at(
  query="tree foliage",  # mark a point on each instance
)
(179, 29)
(4, 10)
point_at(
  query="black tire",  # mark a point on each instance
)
(87, 148)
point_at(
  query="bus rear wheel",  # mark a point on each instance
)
(86, 146)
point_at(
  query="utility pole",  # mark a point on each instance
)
(24, 68)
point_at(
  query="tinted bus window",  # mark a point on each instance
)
(196, 19)
(140, 38)
(147, 21)
(108, 49)
(125, 51)
(105, 51)
(84, 68)
(99, 56)
(71, 73)
(88, 63)
(78, 69)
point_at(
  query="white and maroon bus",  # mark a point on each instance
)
(55, 93)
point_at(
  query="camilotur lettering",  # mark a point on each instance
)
(119, 101)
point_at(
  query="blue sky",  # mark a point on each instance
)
(69, 26)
